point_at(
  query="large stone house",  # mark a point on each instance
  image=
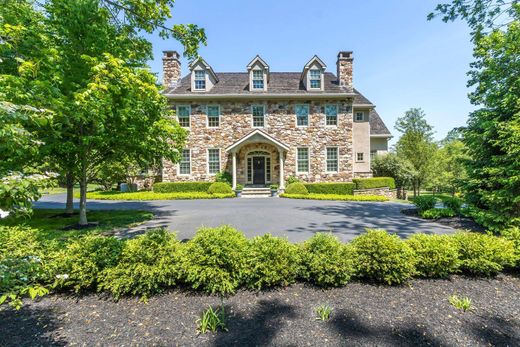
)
(263, 126)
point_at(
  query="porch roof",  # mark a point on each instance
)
(257, 136)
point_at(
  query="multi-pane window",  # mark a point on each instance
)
(200, 80)
(373, 155)
(331, 115)
(213, 116)
(302, 160)
(360, 157)
(250, 169)
(332, 159)
(183, 116)
(258, 116)
(258, 79)
(268, 169)
(213, 160)
(360, 116)
(185, 164)
(315, 78)
(302, 115)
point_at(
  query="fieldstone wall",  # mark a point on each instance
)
(389, 193)
(280, 123)
(344, 70)
(363, 175)
(171, 68)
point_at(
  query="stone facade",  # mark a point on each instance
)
(171, 68)
(280, 123)
(344, 67)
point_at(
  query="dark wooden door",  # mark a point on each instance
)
(258, 170)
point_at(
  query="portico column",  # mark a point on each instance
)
(234, 170)
(282, 181)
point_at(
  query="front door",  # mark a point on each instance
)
(258, 170)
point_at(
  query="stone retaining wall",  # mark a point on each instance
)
(385, 191)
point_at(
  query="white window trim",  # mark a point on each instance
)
(189, 115)
(311, 79)
(337, 159)
(253, 80)
(207, 117)
(337, 115)
(219, 161)
(360, 161)
(179, 166)
(250, 155)
(308, 116)
(195, 81)
(308, 161)
(253, 117)
(356, 114)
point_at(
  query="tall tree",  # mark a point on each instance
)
(416, 145)
(493, 132)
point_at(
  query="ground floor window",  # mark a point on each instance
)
(302, 160)
(332, 159)
(213, 160)
(185, 164)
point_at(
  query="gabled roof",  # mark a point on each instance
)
(259, 60)
(201, 61)
(258, 135)
(312, 61)
(377, 126)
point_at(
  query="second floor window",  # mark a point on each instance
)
(302, 160)
(302, 115)
(258, 79)
(183, 116)
(315, 78)
(213, 116)
(258, 116)
(185, 164)
(213, 160)
(331, 115)
(200, 80)
(360, 116)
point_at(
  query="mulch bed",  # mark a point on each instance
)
(413, 315)
(462, 223)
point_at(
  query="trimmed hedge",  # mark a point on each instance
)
(220, 188)
(437, 255)
(336, 197)
(375, 182)
(331, 188)
(296, 188)
(180, 187)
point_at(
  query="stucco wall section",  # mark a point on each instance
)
(380, 145)
(280, 123)
(361, 143)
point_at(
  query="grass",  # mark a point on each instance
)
(463, 304)
(148, 195)
(212, 320)
(323, 312)
(62, 190)
(49, 223)
(338, 197)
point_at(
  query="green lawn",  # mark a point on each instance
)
(61, 190)
(147, 195)
(49, 223)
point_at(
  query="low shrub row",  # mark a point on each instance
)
(375, 182)
(338, 197)
(147, 195)
(340, 188)
(179, 187)
(436, 213)
(331, 188)
(220, 260)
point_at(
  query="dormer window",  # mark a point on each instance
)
(200, 80)
(315, 78)
(258, 79)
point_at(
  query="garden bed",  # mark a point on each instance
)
(337, 197)
(458, 222)
(414, 315)
(149, 195)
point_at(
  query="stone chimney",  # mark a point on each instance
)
(344, 65)
(171, 68)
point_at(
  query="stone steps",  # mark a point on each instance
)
(249, 192)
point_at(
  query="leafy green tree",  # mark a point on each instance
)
(391, 165)
(416, 146)
(493, 132)
(450, 171)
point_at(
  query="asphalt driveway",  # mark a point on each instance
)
(295, 219)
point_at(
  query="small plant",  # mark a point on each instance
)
(292, 179)
(436, 213)
(274, 186)
(223, 176)
(452, 203)
(323, 312)
(463, 304)
(212, 320)
(239, 187)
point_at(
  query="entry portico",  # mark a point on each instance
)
(258, 151)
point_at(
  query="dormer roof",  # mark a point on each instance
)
(313, 60)
(258, 60)
(207, 67)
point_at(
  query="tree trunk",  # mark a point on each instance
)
(69, 208)
(83, 198)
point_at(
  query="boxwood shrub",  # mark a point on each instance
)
(326, 261)
(214, 260)
(513, 234)
(425, 202)
(383, 258)
(148, 264)
(331, 188)
(484, 255)
(375, 182)
(296, 188)
(220, 188)
(271, 261)
(437, 255)
(177, 187)
(452, 203)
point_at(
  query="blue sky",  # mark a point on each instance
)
(401, 60)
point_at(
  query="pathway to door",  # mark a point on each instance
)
(297, 220)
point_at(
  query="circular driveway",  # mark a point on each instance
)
(295, 219)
